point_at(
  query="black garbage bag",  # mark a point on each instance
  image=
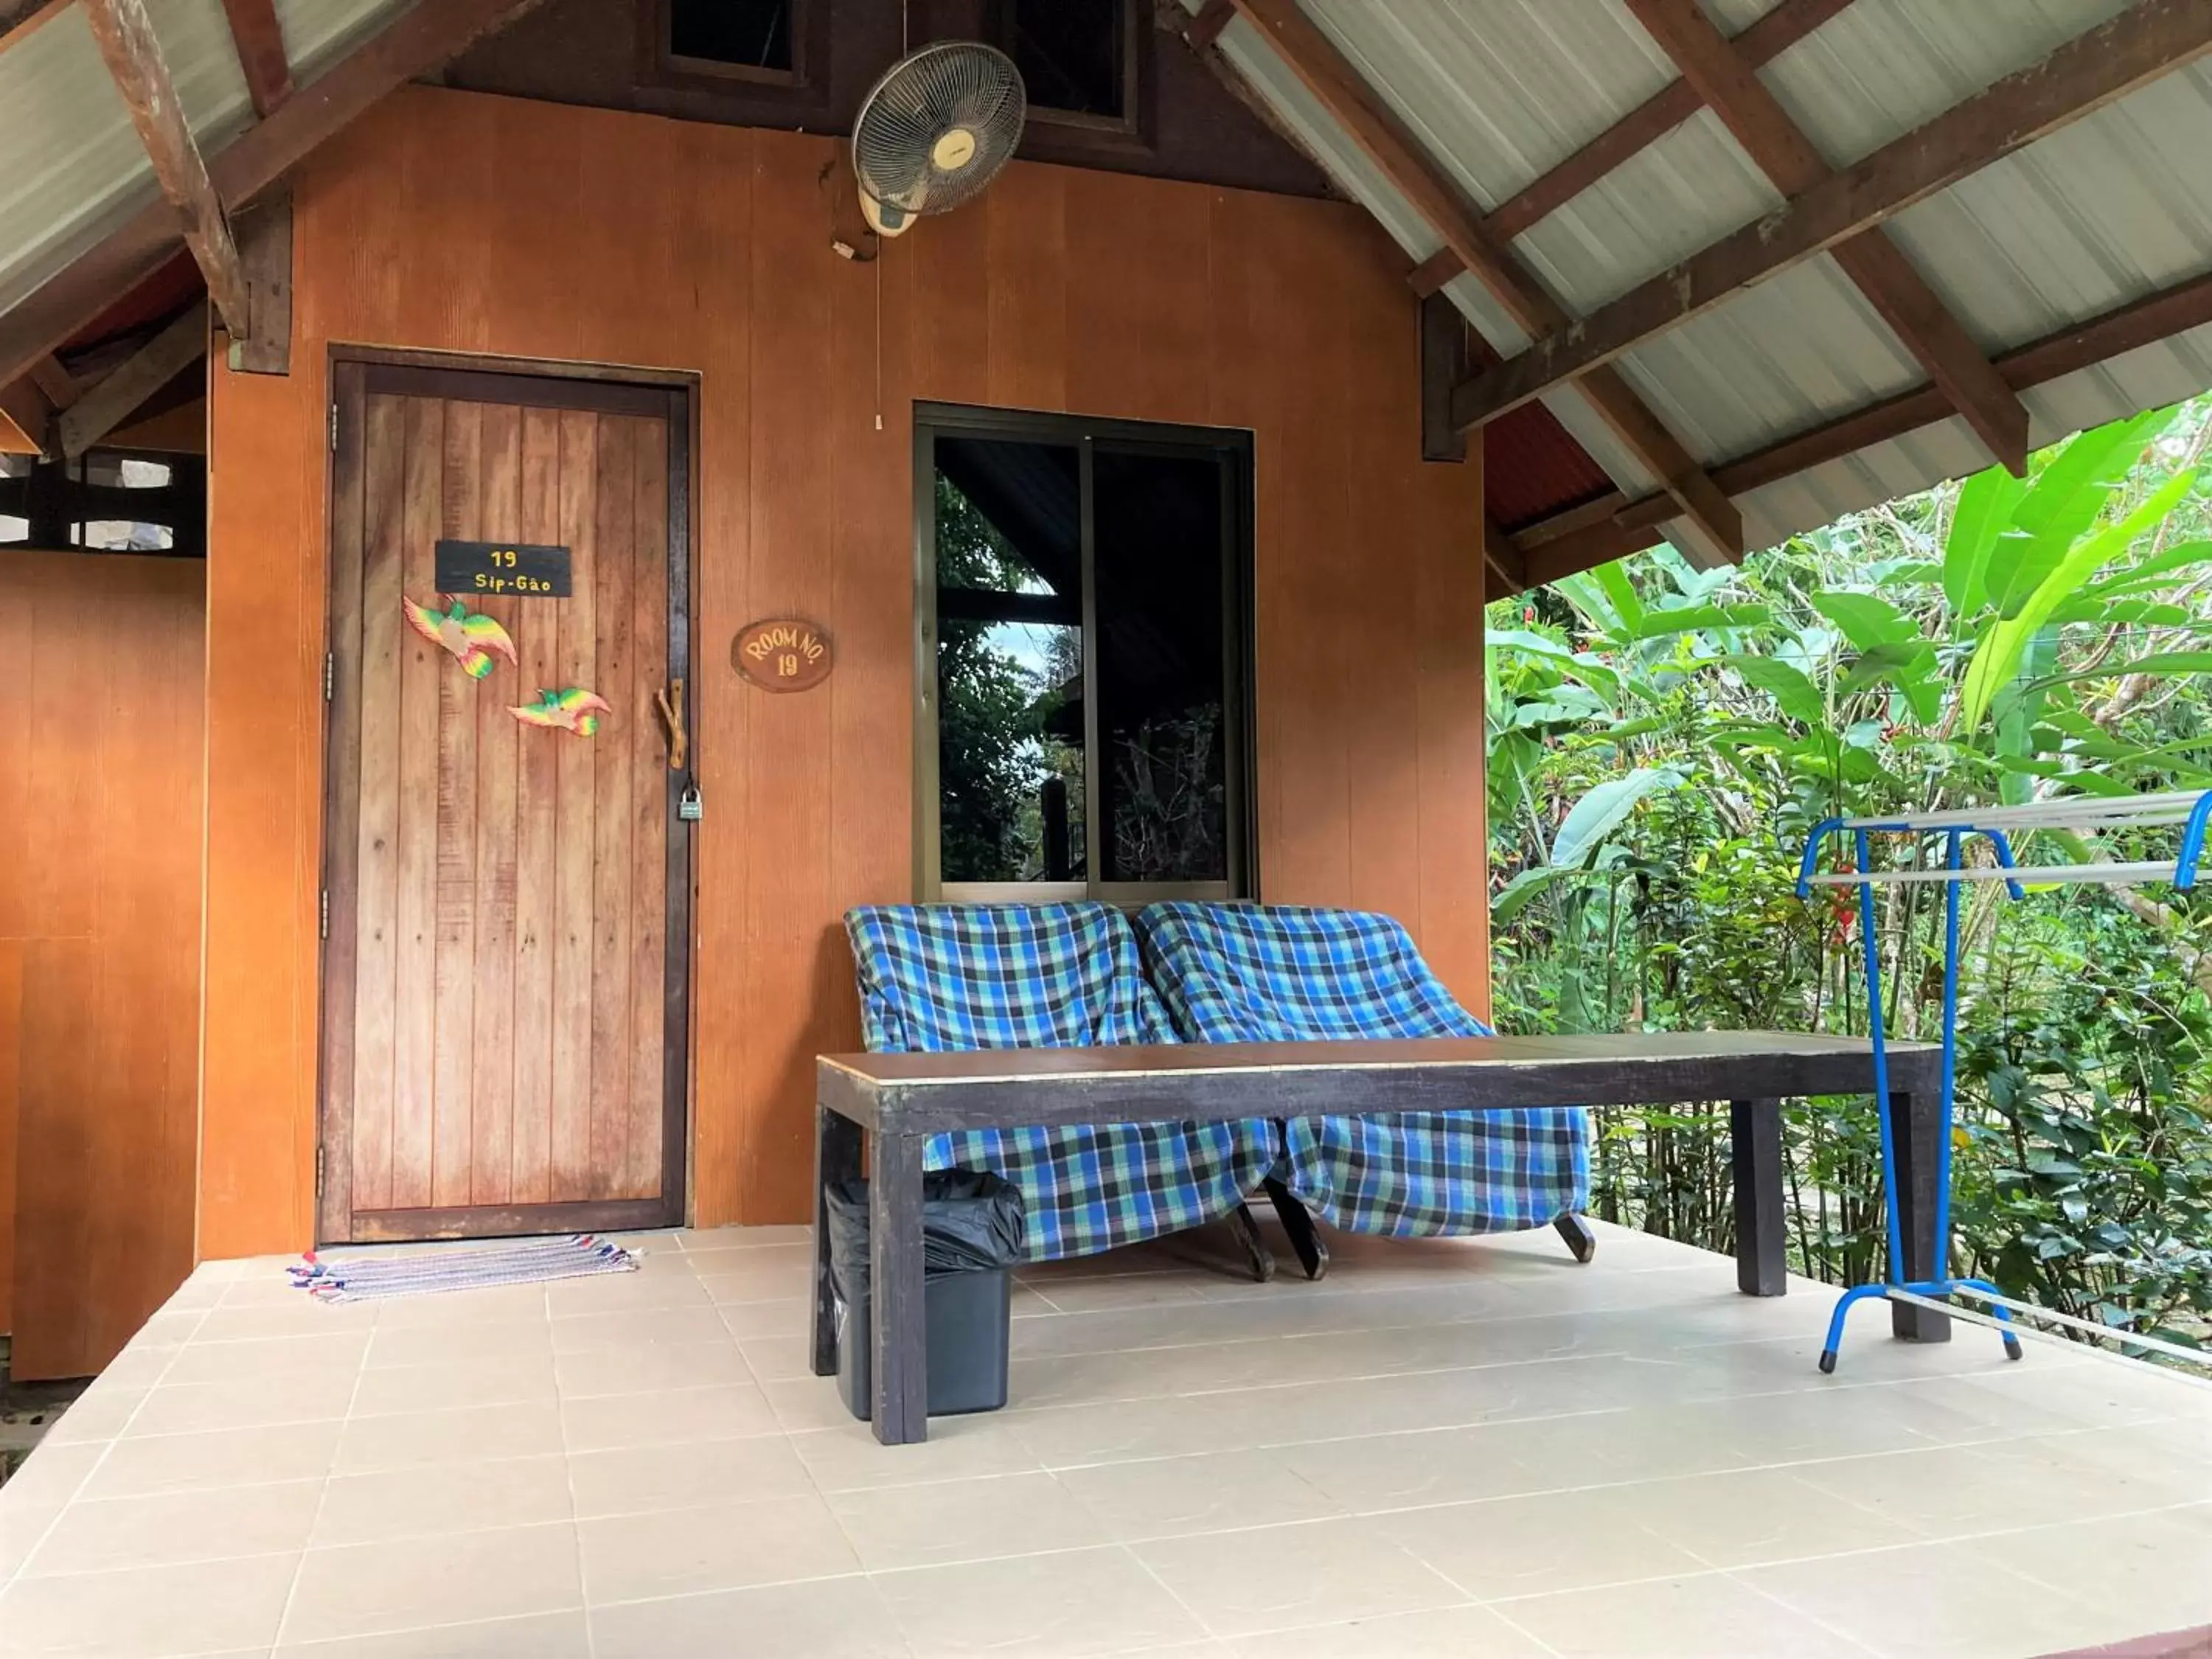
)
(971, 1220)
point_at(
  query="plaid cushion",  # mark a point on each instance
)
(1245, 974)
(943, 978)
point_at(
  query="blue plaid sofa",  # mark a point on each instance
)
(1231, 973)
(942, 978)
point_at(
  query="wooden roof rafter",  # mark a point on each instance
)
(1315, 60)
(124, 35)
(1597, 532)
(417, 41)
(2106, 62)
(1651, 120)
(1877, 267)
(261, 54)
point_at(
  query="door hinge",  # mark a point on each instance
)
(319, 1169)
(330, 674)
(324, 924)
(334, 426)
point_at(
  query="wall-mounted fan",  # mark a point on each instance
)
(935, 130)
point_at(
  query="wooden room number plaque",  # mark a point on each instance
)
(782, 653)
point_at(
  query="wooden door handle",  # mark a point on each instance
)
(670, 699)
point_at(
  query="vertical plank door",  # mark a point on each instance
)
(504, 975)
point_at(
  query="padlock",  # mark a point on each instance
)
(689, 806)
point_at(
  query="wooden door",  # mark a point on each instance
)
(505, 970)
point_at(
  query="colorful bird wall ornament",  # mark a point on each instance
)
(574, 709)
(472, 637)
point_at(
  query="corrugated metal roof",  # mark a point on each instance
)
(74, 168)
(2111, 208)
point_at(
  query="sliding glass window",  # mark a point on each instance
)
(1083, 632)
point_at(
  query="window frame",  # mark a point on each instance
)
(1231, 450)
(660, 64)
(1099, 133)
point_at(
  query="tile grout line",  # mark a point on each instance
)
(107, 1450)
(330, 1474)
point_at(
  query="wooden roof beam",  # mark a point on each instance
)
(1597, 533)
(260, 42)
(1877, 267)
(124, 35)
(419, 41)
(2149, 40)
(1642, 127)
(116, 397)
(1338, 85)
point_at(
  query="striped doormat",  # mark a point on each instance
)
(420, 1271)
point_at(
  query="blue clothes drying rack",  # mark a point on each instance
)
(2190, 810)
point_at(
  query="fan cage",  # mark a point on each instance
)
(955, 85)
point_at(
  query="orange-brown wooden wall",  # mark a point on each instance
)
(100, 943)
(454, 222)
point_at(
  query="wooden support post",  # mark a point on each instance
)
(1916, 1130)
(2149, 39)
(264, 245)
(1445, 360)
(836, 1159)
(124, 35)
(897, 1310)
(114, 399)
(1762, 1262)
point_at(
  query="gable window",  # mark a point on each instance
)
(1084, 705)
(1077, 57)
(761, 40)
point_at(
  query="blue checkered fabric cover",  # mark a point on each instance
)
(1244, 974)
(945, 977)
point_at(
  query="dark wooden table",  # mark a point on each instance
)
(901, 1100)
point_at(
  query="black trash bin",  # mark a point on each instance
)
(971, 1234)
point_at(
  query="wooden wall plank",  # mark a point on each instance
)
(615, 501)
(491, 1133)
(414, 1034)
(453, 1073)
(11, 1050)
(376, 975)
(787, 894)
(536, 872)
(1026, 319)
(805, 505)
(100, 994)
(574, 789)
(638, 1174)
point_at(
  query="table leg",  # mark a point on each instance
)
(1762, 1252)
(1916, 1128)
(836, 1157)
(894, 1274)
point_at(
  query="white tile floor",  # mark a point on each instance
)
(1472, 1448)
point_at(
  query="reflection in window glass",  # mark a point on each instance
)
(1162, 672)
(1009, 661)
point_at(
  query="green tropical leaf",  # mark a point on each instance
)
(2066, 499)
(1518, 891)
(1867, 620)
(1598, 814)
(1659, 624)
(1613, 581)
(1997, 658)
(2164, 563)
(2158, 662)
(1985, 511)
(1796, 696)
